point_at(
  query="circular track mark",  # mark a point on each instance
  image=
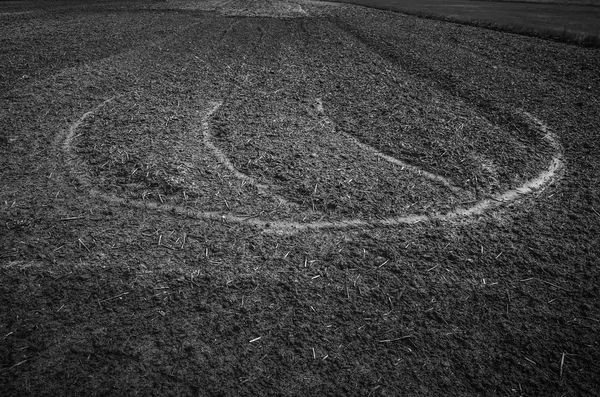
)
(78, 170)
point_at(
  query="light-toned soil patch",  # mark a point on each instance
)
(241, 8)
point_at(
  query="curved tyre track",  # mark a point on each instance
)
(224, 160)
(390, 159)
(78, 170)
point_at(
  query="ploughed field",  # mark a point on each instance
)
(576, 21)
(293, 197)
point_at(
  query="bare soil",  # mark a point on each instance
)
(562, 20)
(204, 198)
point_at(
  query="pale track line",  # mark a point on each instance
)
(302, 10)
(79, 171)
(543, 180)
(369, 149)
(296, 8)
(224, 160)
(6, 14)
(76, 169)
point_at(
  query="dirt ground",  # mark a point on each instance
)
(222, 198)
(567, 21)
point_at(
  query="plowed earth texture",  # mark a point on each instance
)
(576, 21)
(273, 198)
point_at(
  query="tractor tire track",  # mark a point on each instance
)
(78, 170)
